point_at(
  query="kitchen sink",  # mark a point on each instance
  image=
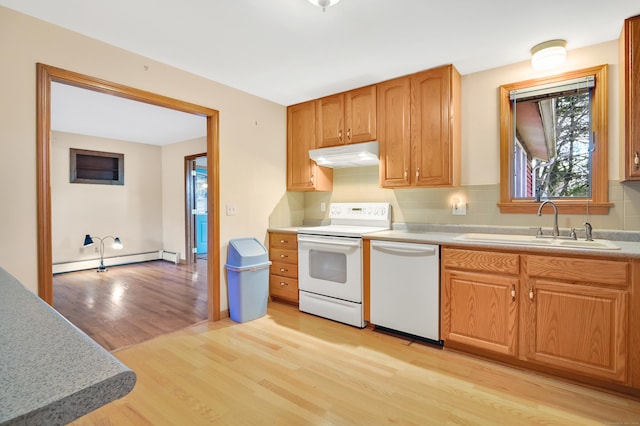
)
(532, 240)
(595, 244)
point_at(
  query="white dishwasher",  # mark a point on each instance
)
(405, 288)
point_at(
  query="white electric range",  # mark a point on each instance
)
(330, 261)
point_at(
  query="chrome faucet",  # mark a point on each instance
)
(588, 229)
(556, 230)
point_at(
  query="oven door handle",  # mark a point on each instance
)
(312, 240)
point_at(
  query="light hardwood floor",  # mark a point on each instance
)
(130, 304)
(291, 368)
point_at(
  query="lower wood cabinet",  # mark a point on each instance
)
(283, 277)
(483, 311)
(479, 305)
(565, 315)
(576, 315)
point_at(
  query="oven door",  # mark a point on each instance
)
(330, 266)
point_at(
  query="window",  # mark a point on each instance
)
(553, 137)
(96, 167)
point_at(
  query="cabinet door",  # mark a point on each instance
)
(330, 124)
(577, 328)
(430, 127)
(360, 115)
(302, 173)
(480, 310)
(632, 97)
(393, 132)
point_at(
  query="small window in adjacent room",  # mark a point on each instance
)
(98, 167)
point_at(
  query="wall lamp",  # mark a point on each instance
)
(549, 54)
(117, 245)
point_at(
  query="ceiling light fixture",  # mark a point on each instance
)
(323, 3)
(549, 54)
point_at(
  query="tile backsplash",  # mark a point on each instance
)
(433, 205)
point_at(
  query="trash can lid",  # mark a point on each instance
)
(246, 252)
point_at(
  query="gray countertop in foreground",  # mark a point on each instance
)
(51, 373)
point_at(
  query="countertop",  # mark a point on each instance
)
(51, 373)
(627, 249)
(628, 241)
(287, 230)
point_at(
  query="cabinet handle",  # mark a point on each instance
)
(349, 134)
(406, 174)
(636, 160)
(531, 293)
(311, 180)
(513, 292)
(283, 241)
(418, 174)
(283, 284)
(284, 270)
(282, 256)
(340, 135)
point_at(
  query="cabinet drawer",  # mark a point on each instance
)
(283, 240)
(282, 287)
(610, 272)
(285, 256)
(284, 269)
(483, 261)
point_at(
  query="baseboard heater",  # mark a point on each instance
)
(61, 267)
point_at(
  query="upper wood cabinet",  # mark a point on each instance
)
(419, 129)
(303, 174)
(348, 117)
(393, 132)
(630, 43)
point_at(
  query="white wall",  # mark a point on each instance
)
(252, 132)
(132, 211)
(480, 110)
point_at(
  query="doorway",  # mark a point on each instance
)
(45, 76)
(196, 208)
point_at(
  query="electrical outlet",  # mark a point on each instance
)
(459, 209)
(231, 209)
(323, 206)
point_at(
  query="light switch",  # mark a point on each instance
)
(231, 209)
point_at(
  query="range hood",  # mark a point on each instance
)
(351, 155)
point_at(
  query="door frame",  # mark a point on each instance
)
(47, 74)
(189, 218)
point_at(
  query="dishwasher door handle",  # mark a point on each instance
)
(404, 248)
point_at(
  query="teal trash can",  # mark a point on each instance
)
(248, 279)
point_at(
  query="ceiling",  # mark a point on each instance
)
(86, 112)
(289, 51)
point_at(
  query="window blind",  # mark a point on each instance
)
(577, 85)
